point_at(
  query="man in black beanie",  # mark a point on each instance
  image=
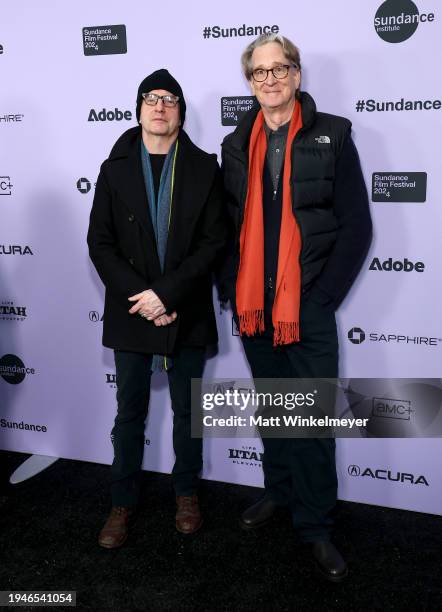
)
(156, 228)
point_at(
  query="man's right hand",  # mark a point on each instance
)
(148, 305)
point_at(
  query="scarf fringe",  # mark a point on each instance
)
(286, 332)
(251, 322)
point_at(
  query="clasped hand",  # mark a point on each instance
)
(148, 305)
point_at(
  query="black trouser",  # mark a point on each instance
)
(133, 389)
(301, 472)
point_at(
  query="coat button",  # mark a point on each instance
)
(131, 261)
(131, 218)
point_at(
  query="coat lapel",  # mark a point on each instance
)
(132, 191)
(189, 195)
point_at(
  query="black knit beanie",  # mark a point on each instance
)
(161, 79)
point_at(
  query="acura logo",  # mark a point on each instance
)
(94, 316)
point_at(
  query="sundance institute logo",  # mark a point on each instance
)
(13, 370)
(397, 20)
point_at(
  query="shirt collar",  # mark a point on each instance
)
(283, 130)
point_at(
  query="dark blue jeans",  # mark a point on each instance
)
(133, 390)
(301, 472)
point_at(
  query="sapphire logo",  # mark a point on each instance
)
(83, 185)
(397, 20)
(16, 118)
(356, 335)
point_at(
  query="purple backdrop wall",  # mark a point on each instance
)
(58, 74)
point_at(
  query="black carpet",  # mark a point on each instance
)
(49, 527)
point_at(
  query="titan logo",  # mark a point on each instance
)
(251, 455)
(9, 312)
(112, 115)
(402, 477)
(18, 311)
(83, 185)
(356, 335)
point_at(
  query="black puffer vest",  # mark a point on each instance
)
(315, 150)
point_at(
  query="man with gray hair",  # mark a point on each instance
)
(299, 209)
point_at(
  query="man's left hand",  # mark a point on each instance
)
(165, 319)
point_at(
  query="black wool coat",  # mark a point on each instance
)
(122, 247)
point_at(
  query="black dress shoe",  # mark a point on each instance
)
(259, 514)
(329, 561)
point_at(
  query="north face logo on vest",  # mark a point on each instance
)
(389, 265)
(397, 20)
(109, 115)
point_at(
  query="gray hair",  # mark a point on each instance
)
(290, 51)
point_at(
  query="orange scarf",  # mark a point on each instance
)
(250, 281)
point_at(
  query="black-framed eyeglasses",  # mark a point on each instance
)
(279, 72)
(168, 100)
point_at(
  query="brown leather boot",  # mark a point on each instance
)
(188, 517)
(115, 530)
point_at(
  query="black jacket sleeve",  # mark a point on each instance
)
(226, 268)
(210, 235)
(351, 208)
(118, 276)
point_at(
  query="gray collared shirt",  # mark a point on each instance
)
(276, 142)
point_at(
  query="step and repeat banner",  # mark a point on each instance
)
(69, 74)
